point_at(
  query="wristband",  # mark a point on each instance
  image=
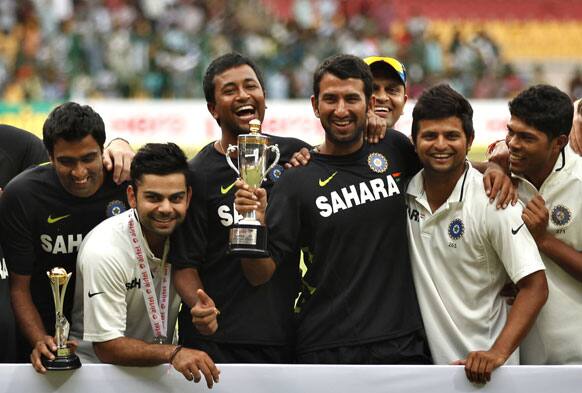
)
(174, 353)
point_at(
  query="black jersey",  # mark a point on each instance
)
(42, 226)
(249, 315)
(348, 215)
(19, 150)
(7, 324)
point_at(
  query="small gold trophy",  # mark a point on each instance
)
(65, 358)
(248, 238)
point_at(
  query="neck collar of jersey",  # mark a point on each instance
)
(564, 160)
(416, 187)
(345, 158)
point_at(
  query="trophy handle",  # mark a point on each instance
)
(65, 288)
(274, 148)
(231, 149)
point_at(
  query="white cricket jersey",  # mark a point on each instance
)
(556, 337)
(462, 255)
(108, 280)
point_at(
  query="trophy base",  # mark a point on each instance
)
(248, 241)
(63, 362)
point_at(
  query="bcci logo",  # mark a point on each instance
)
(114, 208)
(377, 162)
(561, 215)
(275, 173)
(456, 229)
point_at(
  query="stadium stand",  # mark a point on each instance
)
(74, 49)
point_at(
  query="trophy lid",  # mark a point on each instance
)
(255, 126)
(58, 274)
(254, 136)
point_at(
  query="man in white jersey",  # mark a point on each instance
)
(549, 177)
(463, 249)
(129, 307)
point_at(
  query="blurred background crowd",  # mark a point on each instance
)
(52, 50)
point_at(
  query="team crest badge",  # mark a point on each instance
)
(377, 162)
(275, 173)
(456, 229)
(561, 215)
(114, 208)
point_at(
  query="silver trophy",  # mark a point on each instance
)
(65, 358)
(248, 238)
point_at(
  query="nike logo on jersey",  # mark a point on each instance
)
(51, 220)
(323, 183)
(225, 190)
(94, 293)
(514, 231)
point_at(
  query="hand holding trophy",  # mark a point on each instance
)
(65, 358)
(248, 238)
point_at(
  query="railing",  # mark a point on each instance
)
(93, 378)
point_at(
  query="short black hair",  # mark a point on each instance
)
(344, 67)
(546, 108)
(439, 102)
(223, 63)
(158, 159)
(72, 122)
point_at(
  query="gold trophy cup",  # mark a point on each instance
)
(65, 359)
(248, 238)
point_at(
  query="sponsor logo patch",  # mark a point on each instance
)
(377, 162)
(561, 215)
(114, 208)
(275, 173)
(456, 229)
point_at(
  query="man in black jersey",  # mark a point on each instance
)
(46, 211)
(20, 150)
(255, 323)
(346, 211)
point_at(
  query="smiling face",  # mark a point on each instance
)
(239, 98)
(531, 153)
(390, 97)
(442, 146)
(341, 108)
(161, 202)
(79, 165)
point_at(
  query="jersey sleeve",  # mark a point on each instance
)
(290, 146)
(283, 221)
(102, 274)
(35, 153)
(190, 239)
(512, 241)
(406, 148)
(16, 230)
(19, 150)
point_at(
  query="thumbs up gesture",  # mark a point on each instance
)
(204, 314)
